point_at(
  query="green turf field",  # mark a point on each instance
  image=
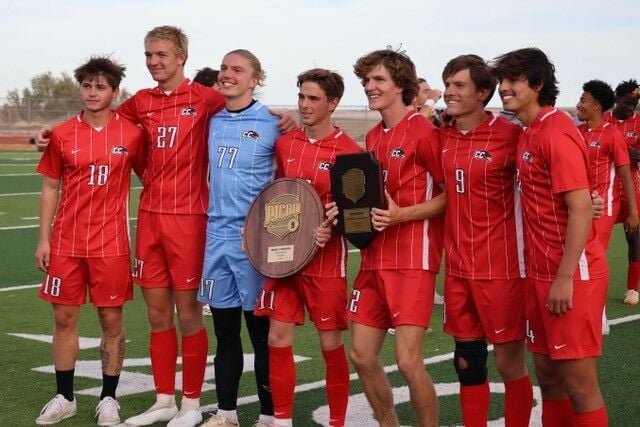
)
(27, 382)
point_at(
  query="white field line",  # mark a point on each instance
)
(34, 193)
(23, 227)
(18, 164)
(17, 174)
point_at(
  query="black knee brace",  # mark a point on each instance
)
(633, 240)
(474, 353)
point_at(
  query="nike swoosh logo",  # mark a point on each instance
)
(76, 151)
(290, 160)
(112, 297)
(396, 314)
(499, 331)
(558, 347)
(191, 279)
(149, 114)
(324, 319)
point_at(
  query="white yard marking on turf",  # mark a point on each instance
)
(18, 288)
(17, 174)
(31, 193)
(19, 164)
(84, 342)
(18, 227)
(28, 218)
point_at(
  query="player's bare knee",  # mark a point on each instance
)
(66, 317)
(470, 362)
(362, 361)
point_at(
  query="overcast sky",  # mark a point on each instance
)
(585, 39)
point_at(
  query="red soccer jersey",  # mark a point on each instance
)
(410, 157)
(176, 129)
(95, 167)
(483, 235)
(607, 151)
(298, 157)
(552, 159)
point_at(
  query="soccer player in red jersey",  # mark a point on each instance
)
(567, 275)
(608, 159)
(309, 153)
(624, 117)
(90, 158)
(396, 282)
(484, 287)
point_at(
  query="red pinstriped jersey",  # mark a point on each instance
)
(630, 129)
(552, 159)
(483, 234)
(607, 151)
(410, 157)
(176, 130)
(95, 166)
(298, 157)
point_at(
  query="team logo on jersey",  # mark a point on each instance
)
(325, 166)
(119, 149)
(527, 156)
(397, 152)
(250, 134)
(482, 155)
(282, 215)
(631, 134)
(188, 111)
(594, 144)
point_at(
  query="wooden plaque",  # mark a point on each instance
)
(356, 187)
(278, 232)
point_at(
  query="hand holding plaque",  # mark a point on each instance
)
(356, 187)
(278, 233)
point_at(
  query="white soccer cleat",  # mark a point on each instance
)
(631, 297)
(56, 410)
(107, 412)
(220, 421)
(186, 418)
(162, 411)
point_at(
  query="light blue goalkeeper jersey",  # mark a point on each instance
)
(241, 164)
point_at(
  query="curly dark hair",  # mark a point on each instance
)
(626, 88)
(532, 64)
(101, 66)
(601, 92)
(399, 65)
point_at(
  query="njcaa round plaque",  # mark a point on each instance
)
(278, 232)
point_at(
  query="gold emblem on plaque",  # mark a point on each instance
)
(282, 215)
(353, 184)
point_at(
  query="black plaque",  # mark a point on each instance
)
(356, 187)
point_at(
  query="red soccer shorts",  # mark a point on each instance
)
(169, 250)
(493, 309)
(108, 280)
(324, 297)
(577, 334)
(389, 298)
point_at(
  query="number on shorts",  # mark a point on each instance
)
(52, 285)
(353, 302)
(530, 335)
(206, 288)
(264, 299)
(137, 268)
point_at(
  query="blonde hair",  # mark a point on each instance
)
(173, 34)
(258, 72)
